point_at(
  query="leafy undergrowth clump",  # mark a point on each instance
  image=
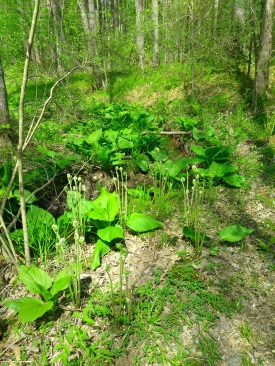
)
(175, 293)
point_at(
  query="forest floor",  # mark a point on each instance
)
(242, 334)
(161, 304)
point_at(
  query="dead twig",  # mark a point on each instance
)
(166, 133)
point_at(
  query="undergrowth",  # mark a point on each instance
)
(168, 320)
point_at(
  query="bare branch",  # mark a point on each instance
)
(31, 132)
(166, 133)
(27, 200)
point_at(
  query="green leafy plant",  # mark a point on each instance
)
(234, 233)
(104, 214)
(77, 339)
(102, 217)
(40, 283)
(59, 159)
(218, 168)
(41, 237)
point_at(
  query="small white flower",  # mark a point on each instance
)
(54, 227)
(81, 239)
(75, 224)
(62, 241)
(69, 176)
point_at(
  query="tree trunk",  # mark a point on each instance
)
(155, 20)
(21, 134)
(114, 5)
(264, 53)
(140, 34)
(216, 13)
(88, 16)
(55, 11)
(4, 111)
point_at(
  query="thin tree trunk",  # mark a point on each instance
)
(192, 55)
(55, 11)
(4, 110)
(21, 134)
(114, 5)
(216, 13)
(140, 34)
(264, 54)
(88, 16)
(155, 20)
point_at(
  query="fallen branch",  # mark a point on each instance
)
(167, 132)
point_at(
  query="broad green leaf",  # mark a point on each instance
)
(194, 235)
(123, 143)
(94, 137)
(143, 162)
(210, 131)
(27, 193)
(216, 153)
(189, 233)
(198, 135)
(33, 309)
(61, 282)
(158, 154)
(175, 167)
(50, 153)
(203, 172)
(101, 248)
(16, 304)
(140, 223)
(234, 180)
(35, 279)
(62, 163)
(234, 233)
(219, 170)
(116, 158)
(110, 136)
(108, 201)
(99, 214)
(199, 151)
(37, 218)
(110, 233)
(6, 172)
(187, 123)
